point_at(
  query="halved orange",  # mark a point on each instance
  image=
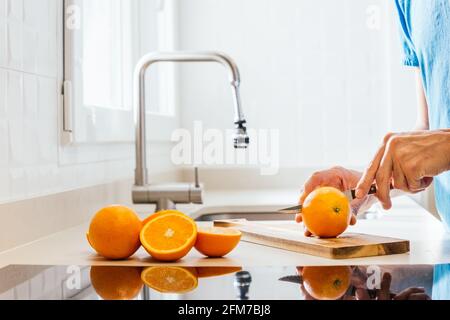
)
(208, 272)
(159, 214)
(169, 237)
(170, 279)
(217, 242)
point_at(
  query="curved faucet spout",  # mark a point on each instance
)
(241, 138)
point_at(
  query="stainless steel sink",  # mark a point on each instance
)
(251, 216)
(271, 216)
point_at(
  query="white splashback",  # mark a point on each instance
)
(308, 66)
(32, 161)
(314, 69)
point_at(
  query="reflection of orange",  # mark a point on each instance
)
(114, 232)
(326, 212)
(326, 283)
(217, 242)
(169, 237)
(170, 279)
(116, 283)
(158, 214)
(208, 272)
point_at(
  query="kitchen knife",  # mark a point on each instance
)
(350, 194)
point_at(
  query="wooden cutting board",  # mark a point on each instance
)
(289, 236)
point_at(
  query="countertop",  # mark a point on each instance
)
(430, 244)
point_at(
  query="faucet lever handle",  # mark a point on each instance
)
(196, 178)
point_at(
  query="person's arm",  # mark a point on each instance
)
(408, 160)
(422, 105)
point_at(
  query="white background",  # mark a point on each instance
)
(310, 68)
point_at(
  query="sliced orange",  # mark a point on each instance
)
(217, 242)
(170, 279)
(169, 237)
(208, 272)
(158, 214)
(116, 283)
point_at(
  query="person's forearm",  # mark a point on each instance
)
(447, 147)
(422, 122)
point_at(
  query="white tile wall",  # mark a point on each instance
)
(32, 162)
(310, 68)
(2, 32)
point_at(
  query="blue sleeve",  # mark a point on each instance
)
(409, 54)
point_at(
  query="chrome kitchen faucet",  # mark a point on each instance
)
(166, 196)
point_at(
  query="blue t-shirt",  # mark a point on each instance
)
(441, 281)
(425, 35)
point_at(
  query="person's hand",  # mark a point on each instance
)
(384, 293)
(412, 294)
(339, 178)
(359, 282)
(408, 161)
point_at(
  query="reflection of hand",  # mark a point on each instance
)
(359, 282)
(384, 293)
(412, 294)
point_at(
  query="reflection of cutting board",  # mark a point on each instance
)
(289, 236)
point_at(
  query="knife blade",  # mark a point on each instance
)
(292, 279)
(350, 194)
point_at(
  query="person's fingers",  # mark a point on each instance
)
(404, 295)
(329, 178)
(419, 296)
(305, 293)
(399, 180)
(384, 293)
(362, 294)
(366, 181)
(383, 181)
(427, 181)
(307, 233)
(357, 204)
(310, 186)
(298, 218)
(417, 185)
(353, 220)
(359, 278)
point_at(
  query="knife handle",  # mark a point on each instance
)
(373, 190)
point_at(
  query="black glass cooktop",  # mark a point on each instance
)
(18, 282)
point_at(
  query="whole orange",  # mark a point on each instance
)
(326, 212)
(116, 283)
(326, 283)
(114, 232)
